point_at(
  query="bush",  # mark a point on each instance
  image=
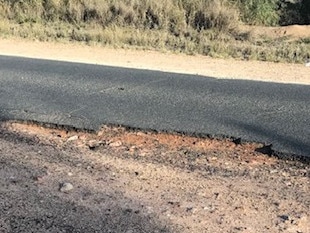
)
(216, 14)
(259, 12)
(22, 11)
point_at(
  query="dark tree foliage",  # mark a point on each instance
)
(294, 12)
(305, 11)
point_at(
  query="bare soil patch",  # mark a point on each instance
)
(293, 32)
(131, 181)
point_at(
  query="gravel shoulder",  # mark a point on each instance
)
(119, 180)
(152, 60)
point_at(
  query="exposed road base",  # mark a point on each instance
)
(117, 180)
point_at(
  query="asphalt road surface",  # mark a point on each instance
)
(87, 96)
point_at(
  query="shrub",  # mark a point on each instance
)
(216, 14)
(23, 11)
(259, 12)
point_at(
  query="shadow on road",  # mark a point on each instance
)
(3, 116)
(286, 140)
(30, 200)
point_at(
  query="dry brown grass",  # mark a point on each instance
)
(197, 26)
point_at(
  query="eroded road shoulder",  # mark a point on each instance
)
(131, 181)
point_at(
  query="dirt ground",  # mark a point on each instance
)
(119, 180)
(292, 32)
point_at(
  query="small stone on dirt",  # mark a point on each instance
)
(115, 144)
(38, 178)
(73, 138)
(284, 217)
(93, 144)
(65, 187)
(285, 174)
